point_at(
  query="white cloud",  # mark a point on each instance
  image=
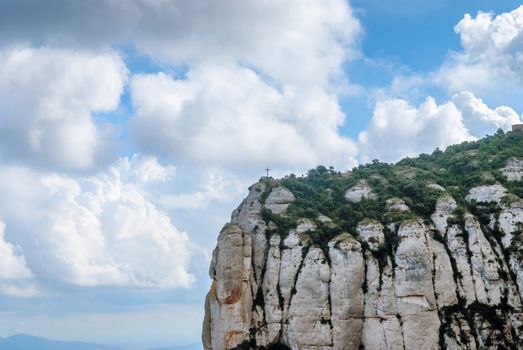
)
(15, 277)
(232, 117)
(489, 65)
(96, 230)
(291, 40)
(216, 188)
(398, 129)
(47, 99)
(274, 70)
(479, 119)
(281, 62)
(492, 56)
(261, 88)
(146, 168)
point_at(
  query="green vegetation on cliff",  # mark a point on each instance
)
(457, 169)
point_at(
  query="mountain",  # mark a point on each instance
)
(196, 346)
(29, 342)
(422, 254)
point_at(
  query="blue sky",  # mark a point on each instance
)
(129, 131)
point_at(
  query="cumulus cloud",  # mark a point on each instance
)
(479, 119)
(47, 101)
(489, 65)
(259, 87)
(95, 230)
(280, 61)
(398, 129)
(289, 40)
(15, 277)
(215, 188)
(231, 116)
(492, 55)
(145, 168)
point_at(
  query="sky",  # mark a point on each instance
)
(130, 130)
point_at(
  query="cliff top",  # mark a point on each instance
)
(390, 193)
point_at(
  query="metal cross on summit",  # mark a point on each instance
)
(267, 170)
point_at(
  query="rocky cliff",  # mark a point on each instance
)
(422, 254)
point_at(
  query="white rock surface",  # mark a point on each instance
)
(396, 204)
(248, 217)
(511, 225)
(309, 316)
(513, 170)
(485, 268)
(383, 334)
(510, 220)
(414, 288)
(436, 187)
(360, 191)
(444, 285)
(271, 297)
(279, 200)
(346, 294)
(403, 290)
(326, 220)
(459, 252)
(487, 193)
(305, 225)
(230, 300)
(445, 206)
(371, 232)
(291, 259)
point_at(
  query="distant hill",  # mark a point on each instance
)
(196, 346)
(29, 342)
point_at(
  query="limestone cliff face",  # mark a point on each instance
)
(453, 280)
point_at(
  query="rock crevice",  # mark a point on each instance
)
(451, 281)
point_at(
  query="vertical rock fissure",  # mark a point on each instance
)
(304, 252)
(398, 281)
(434, 278)
(497, 235)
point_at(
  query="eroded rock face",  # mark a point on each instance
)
(279, 200)
(396, 204)
(414, 288)
(360, 191)
(486, 194)
(453, 280)
(371, 232)
(229, 302)
(513, 169)
(308, 319)
(436, 187)
(346, 294)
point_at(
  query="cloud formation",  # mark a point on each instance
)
(15, 277)
(260, 86)
(492, 55)
(398, 129)
(289, 40)
(95, 230)
(232, 117)
(488, 66)
(47, 101)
